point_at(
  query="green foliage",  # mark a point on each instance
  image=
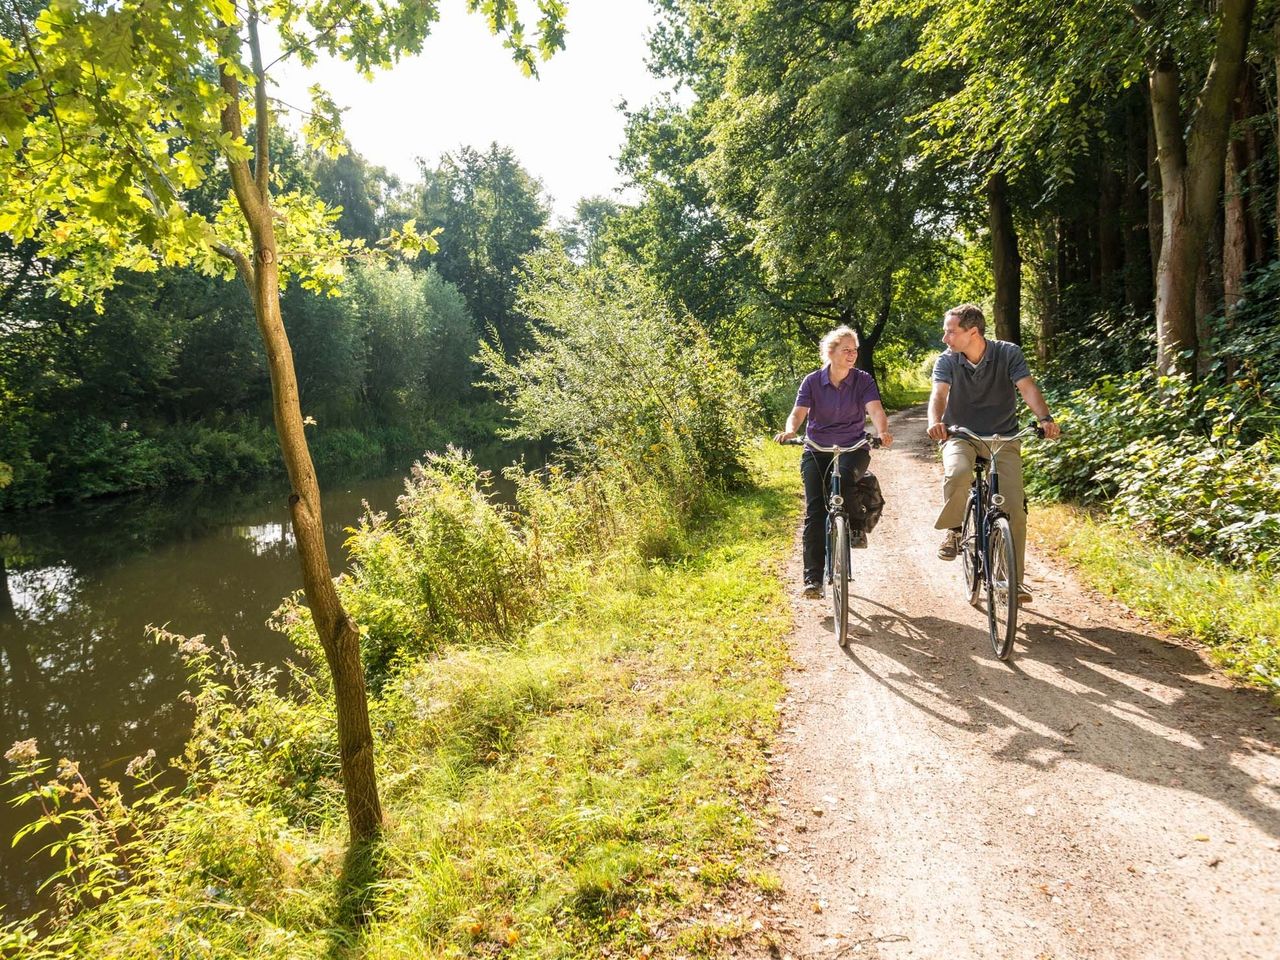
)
(1171, 458)
(620, 380)
(453, 568)
(491, 213)
(568, 791)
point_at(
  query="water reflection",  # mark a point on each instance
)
(78, 588)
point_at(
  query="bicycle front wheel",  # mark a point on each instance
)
(840, 578)
(970, 555)
(1002, 588)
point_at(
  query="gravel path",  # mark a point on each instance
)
(1105, 795)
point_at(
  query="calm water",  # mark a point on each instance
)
(77, 670)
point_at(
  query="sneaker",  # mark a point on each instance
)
(950, 545)
(1024, 595)
(858, 539)
(812, 591)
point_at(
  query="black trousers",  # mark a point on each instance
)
(814, 470)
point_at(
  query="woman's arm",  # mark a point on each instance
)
(798, 414)
(875, 410)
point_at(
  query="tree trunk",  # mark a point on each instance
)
(338, 634)
(1235, 239)
(1208, 293)
(1155, 204)
(871, 338)
(1137, 242)
(1006, 262)
(1191, 170)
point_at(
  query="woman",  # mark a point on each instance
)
(837, 399)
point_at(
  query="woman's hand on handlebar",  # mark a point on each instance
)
(886, 438)
(784, 436)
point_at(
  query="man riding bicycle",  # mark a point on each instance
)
(973, 387)
(837, 399)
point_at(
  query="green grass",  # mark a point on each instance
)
(582, 790)
(588, 788)
(1236, 613)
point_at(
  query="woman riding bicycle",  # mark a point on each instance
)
(837, 398)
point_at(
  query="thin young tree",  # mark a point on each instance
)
(114, 110)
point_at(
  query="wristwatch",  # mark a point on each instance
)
(1047, 418)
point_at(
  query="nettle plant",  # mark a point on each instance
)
(115, 113)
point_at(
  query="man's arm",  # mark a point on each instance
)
(938, 406)
(796, 418)
(875, 410)
(1035, 400)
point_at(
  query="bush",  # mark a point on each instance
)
(455, 567)
(1171, 457)
(621, 381)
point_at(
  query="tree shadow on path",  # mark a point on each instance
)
(1120, 701)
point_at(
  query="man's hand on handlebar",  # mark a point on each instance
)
(937, 431)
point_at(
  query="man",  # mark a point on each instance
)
(973, 387)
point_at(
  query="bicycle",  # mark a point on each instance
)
(839, 557)
(989, 557)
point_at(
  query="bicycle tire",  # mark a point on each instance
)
(1002, 588)
(840, 579)
(970, 555)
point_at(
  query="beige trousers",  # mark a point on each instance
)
(957, 474)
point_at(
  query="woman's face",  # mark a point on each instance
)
(844, 353)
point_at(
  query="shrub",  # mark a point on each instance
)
(1171, 457)
(455, 567)
(620, 380)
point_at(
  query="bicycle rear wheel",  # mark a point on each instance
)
(970, 555)
(1002, 588)
(840, 578)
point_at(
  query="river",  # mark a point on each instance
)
(77, 669)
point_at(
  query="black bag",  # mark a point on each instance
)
(866, 504)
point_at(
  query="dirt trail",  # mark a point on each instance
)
(1107, 795)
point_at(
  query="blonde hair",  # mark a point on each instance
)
(834, 337)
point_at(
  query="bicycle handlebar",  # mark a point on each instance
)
(965, 432)
(868, 441)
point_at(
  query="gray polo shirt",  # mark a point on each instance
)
(983, 397)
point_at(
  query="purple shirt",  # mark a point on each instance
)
(837, 415)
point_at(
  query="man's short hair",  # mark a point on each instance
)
(969, 315)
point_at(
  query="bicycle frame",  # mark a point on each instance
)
(835, 497)
(986, 505)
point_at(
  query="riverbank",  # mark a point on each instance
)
(100, 459)
(584, 788)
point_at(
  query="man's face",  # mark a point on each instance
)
(955, 336)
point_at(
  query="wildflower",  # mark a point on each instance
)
(80, 791)
(23, 751)
(138, 765)
(68, 769)
(193, 646)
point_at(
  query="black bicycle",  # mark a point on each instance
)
(988, 554)
(839, 549)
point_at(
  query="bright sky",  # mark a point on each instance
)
(463, 90)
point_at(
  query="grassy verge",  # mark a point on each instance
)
(579, 792)
(1235, 613)
(585, 790)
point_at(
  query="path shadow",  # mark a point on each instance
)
(1124, 702)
